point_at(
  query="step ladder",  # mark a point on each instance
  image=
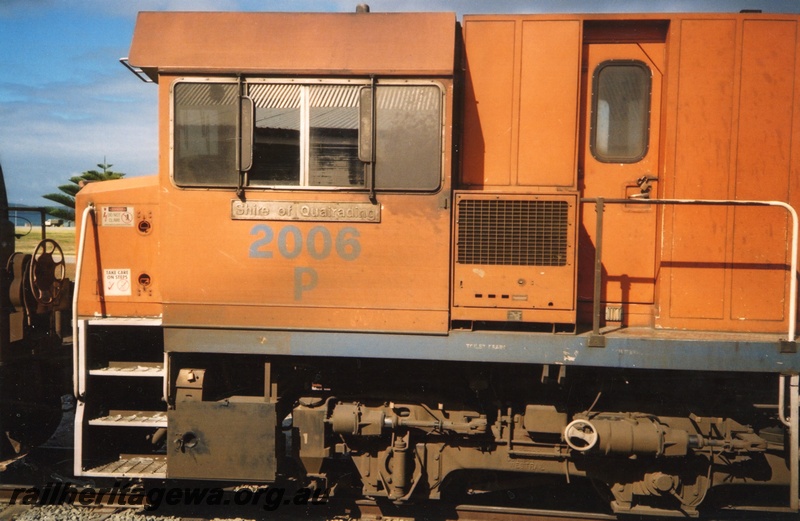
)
(121, 383)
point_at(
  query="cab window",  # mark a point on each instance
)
(204, 140)
(408, 138)
(310, 135)
(620, 111)
(306, 135)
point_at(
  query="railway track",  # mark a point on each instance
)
(369, 511)
(102, 512)
(70, 499)
(13, 507)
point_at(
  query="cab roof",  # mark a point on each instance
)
(294, 43)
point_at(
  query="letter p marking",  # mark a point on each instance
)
(305, 279)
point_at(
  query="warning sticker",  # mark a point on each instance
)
(117, 283)
(117, 216)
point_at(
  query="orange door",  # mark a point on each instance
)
(620, 160)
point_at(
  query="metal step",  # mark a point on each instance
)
(124, 321)
(154, 369)
(132, 419)
(132, 466)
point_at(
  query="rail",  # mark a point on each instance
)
(596, 339)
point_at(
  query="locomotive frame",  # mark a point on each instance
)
(397, 265)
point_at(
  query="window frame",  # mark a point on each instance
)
(304, 132)
(172, 128)
(305, 138)
(646, 119)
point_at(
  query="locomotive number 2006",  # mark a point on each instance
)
(319, 243)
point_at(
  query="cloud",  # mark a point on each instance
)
(16, 8)
(61, 130)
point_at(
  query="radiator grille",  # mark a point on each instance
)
(512, 232)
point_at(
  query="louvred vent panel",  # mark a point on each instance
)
(512, 232)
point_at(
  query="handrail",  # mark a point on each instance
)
(137, 71)
(600, 202)
(76, 340)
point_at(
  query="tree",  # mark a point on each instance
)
(67, 196)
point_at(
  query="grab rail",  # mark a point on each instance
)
(598, 340)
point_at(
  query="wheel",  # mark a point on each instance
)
(47, 272)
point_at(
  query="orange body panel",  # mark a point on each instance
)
(732, 115)
(263, 274)
(763, 170)
(488, 109)
(391, 275)
(723, 120)
(693, 270)
(121, 275)
(548, 103)
(521, 102)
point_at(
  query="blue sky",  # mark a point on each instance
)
(66, 103)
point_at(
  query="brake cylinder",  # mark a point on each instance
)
(626, 435)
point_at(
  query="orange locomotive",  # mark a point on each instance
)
(451, 256)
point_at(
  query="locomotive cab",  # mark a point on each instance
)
(307, 194)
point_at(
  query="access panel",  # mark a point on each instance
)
(229, 439)
(515, 258)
